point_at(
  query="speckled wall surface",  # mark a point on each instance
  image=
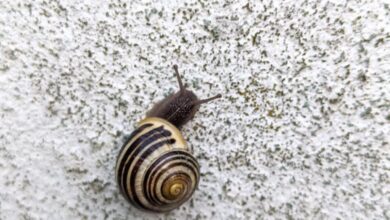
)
(302, 131)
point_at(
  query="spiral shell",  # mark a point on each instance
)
(155, 170)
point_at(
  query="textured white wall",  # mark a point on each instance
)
(301, 133)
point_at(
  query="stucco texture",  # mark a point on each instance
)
(301, 132)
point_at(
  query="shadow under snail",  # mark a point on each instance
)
(155, 170)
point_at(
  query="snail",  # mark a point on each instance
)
(155, 170)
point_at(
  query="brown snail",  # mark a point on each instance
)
(155, 170)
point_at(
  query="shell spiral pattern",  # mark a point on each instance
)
(155, 170)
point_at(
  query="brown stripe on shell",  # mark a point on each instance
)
(138, 145)
(153, 186)
(138, 164)
(131, 148)
(159, 163)
(129, 139)
(157, 172)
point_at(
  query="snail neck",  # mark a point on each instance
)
(177, 108)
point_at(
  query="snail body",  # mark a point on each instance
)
(155, 169)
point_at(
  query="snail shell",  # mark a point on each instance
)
(155, 169)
